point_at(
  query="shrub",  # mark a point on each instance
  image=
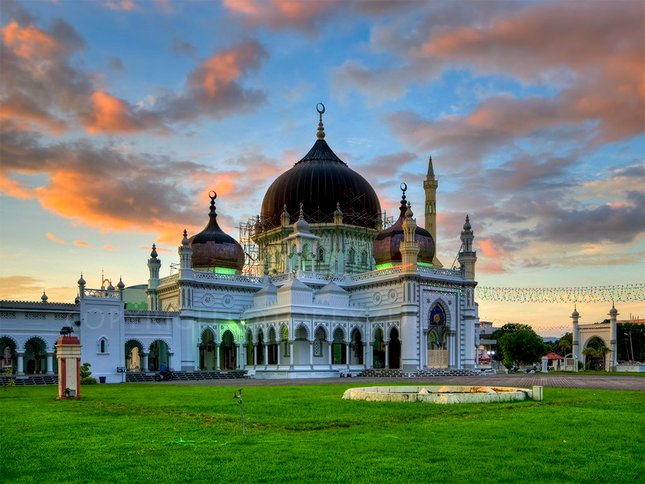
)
(88, 380)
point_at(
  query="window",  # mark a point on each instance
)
(352, 255)
(321, 255)
(364, 258)
(103, 345)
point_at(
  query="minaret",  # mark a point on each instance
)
(153, 266)
(613, 340)
(467, 256)
(430, 185)
(575, 336)
(185, 253)
(409, 247)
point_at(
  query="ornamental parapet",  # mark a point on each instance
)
(213, 276)
(101, 293)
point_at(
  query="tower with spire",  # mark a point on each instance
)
(153, 267)
(467, 256)
(430, 186)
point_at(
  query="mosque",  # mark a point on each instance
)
(338, 290)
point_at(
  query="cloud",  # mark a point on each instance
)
(80, 243)
(127, 5)
(213, 87)
(28, 288)
(112, 115)
(620, 223)
(41, 86)
(281, 14)
(115, 64)
(53, 238)
(129, 191)
(182, 47)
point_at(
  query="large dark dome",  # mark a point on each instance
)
(319, 181)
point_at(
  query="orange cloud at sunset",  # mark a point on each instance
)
(113, 115)
(53, 238)
(280, 14)
(29, 42)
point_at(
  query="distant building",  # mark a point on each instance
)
(335, 290)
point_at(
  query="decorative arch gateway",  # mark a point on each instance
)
(437, 338)
(595, 349)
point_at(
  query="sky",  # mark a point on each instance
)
(117, 117)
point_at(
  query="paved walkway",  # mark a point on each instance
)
(515, 380)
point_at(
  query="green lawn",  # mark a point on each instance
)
(167, 433)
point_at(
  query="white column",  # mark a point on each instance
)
(279, 354)
(365, 356)
(311, 354)
(329, 353)
(255, 355)
(291, 355)
(266, 355)
(347, 355)
(144, 365)
(387, 355)
(50, 363)
(21, 363)
(217, 357)
(240, 353)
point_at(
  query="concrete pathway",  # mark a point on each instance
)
(514, 380)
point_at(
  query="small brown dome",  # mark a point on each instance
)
(212, 248)
(386, 247)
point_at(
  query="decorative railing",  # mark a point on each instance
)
(102, 293)
(437, 271)
(213, 276)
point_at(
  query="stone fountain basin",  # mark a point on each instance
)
(443, 394)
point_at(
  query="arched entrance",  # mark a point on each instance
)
(437, 338)
(133, 350)
(159, 356)
(273, 348)
(320, 341)
(207, 350)
(35, 358)
(259, 349)
(301, 346)
(228, 353)
(249, 348)
(8, 354)
(284, 339)
(394, 349)
(595, 352)
(338, 348)
(356, 347)
(378, 349)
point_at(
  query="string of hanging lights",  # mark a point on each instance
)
(583, 294)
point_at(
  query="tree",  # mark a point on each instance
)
(518, 344)
(564, 345)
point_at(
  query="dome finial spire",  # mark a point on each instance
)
(212, 195)
(320, 134)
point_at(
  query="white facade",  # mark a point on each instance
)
(323, 307)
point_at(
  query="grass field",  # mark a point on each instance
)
(167, 433)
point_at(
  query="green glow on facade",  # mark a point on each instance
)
(224, 270)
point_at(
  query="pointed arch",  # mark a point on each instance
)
(228, 351)
(378, 348)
